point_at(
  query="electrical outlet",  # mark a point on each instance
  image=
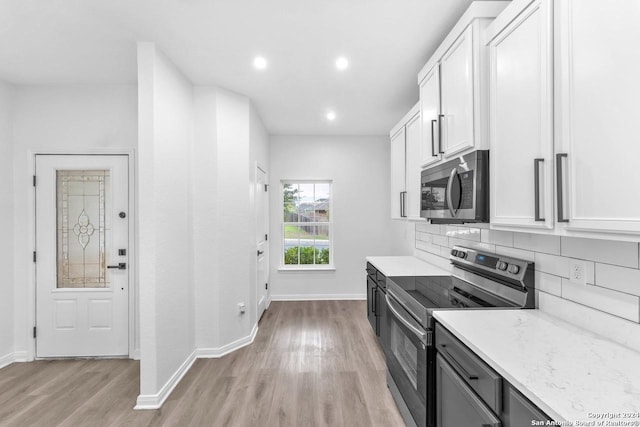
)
(576, 272)
(241, 308)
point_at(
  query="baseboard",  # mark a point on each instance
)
(7, 360)
(135, 355)
(268, 302)
(209, 353)
(20, 356)
(318, 297)
(155, 401)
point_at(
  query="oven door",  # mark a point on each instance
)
(408, 347)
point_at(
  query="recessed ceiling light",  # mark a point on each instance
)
(342, 63)
(260, 63)
(331, 116)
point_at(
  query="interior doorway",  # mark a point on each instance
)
(262, 237)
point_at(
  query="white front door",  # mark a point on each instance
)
(262, 230)
(82, 276)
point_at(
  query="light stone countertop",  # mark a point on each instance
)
(405, 266)
(566, 371)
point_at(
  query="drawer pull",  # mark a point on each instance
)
(459, 368)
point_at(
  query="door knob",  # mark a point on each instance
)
(260, 252)
(120, 266)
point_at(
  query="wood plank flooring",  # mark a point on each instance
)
(313, 363)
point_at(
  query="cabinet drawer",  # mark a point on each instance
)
(382, 280)
(486, 382)
(371, 270)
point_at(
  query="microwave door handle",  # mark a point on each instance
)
(452, 175)
(420, 334)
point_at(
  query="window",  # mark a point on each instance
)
(307, 225)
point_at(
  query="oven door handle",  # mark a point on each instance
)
(419, 333)
(452, 175)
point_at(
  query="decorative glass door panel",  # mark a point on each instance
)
(82, 200)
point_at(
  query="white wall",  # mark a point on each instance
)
(234, 215)
(165, 250)
(6, 218)
(205, 217)
(359, 168)
(58, 118)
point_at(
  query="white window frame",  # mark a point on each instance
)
(306, 267)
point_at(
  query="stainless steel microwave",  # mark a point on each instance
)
(457, 191)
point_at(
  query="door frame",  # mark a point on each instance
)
(134, 347)
(267, 302)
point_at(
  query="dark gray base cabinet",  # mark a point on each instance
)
(470, 393)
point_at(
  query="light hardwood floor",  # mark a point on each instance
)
(314, 363)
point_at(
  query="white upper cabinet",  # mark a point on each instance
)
(453, 88)
(456, 92)
(398, 173)
(521, 116)
(412, 168)
(598, 115)
(405, 166)
(431, 144)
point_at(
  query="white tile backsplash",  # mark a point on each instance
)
(618, 278)
(605, 251)
(440, 240)
(613, 302)
(516, 253)
(612, 293)
(552, 264)
(614, 328)
(549, 283)
(502, 238)
(537, 243)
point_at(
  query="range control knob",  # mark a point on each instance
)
(514, 269)
(462, 254)
(454, 252)
(502, 265)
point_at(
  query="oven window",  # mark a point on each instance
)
(405, 353)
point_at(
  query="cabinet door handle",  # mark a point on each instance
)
(536, 186)
(403, 194)
(442, 348)
(440, 119)
(433, 140)
(559, 157)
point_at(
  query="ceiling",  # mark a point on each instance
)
(214, 42)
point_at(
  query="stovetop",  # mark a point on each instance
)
(469, 287)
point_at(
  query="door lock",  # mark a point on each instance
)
(120, 266)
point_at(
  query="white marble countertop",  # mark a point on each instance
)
(566, 371)
(405, 266)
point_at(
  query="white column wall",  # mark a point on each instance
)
(359, 169)
(57, 119)
(166, 283)
(205, 218)
(235, 258)
(7, 347)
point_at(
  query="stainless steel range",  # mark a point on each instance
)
(479, 281)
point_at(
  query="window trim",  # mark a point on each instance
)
(307, 267)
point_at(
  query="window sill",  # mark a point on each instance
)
(301, 269)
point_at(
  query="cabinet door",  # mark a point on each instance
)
(412, 172)
(430, 143)
(398, 174)
(521, 411)
(521, 120)
(456, 83)
(599, 69)
(456, 404)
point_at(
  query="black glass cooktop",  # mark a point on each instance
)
(432, 292)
